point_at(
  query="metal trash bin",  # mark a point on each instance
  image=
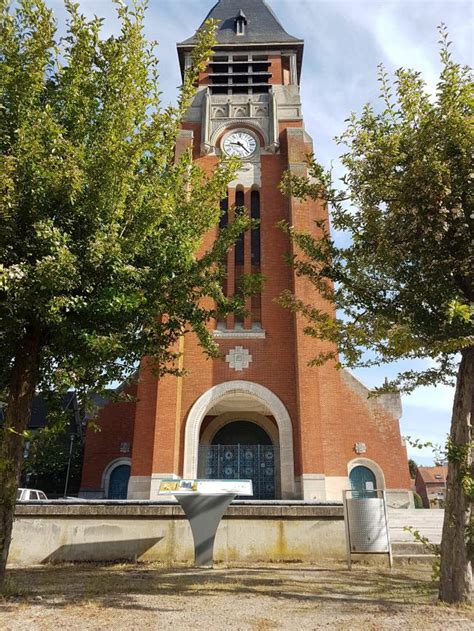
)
(366, 525)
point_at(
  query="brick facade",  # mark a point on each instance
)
(328, 409)
(109, 440)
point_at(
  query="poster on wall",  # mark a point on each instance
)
(207, 487)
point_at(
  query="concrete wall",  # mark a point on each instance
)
(58, 532)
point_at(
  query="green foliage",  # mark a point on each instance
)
(431, 548)
(417, 500)
(404, 286)
(45, 466)
(460, 454)
(439, 452)
(413, 468)
(100, 226)
(403, 289)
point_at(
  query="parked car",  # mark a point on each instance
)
(24, 495)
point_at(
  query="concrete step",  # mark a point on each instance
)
(407, 549)
(406, 552)
(402, 536)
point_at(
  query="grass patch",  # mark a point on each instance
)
(11, 589)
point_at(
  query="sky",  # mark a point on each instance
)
(345, 40)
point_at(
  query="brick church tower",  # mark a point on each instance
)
(259, 412)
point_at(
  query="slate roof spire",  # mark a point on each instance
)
(262, 24)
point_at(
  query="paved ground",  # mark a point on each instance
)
(122, 597)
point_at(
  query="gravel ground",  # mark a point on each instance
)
(260, 597)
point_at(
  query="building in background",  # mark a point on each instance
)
(260, 412)
(430, 484)
(53, 450)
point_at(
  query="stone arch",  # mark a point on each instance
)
(370, 464)
(109, 469)
(261, 110)
(240, 110)
(230, 417)
(275, 407)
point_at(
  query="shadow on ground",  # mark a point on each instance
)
(121, 586)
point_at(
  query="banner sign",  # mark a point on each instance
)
(207, 487)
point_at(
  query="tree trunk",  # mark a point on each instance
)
(21, 391)
(456, 544)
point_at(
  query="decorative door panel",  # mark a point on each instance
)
(242, 462)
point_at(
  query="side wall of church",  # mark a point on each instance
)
(108, 438)
(334, 411)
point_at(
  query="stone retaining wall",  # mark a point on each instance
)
(250, 532)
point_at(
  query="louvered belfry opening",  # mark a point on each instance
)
(239, 74)
(239, 255)
(255, 254)
(244, 257)
(224, 220)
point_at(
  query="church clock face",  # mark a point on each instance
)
(240, 144)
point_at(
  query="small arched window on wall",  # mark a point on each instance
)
(256, 254)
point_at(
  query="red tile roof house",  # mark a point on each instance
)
(430, 484)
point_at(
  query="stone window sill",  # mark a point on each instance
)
(239, 334)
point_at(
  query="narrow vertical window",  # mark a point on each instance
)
(240, 23)
(256, 254)
(223, 221)
(239, 244)
(224, 213)
(239, 256)
(255, 214)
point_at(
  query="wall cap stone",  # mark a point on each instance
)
(146, 509)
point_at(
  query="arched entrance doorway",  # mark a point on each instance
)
(241, 449)
(118, 482)
(363, 482)
(237, 401)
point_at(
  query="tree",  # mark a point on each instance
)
(49, 456)
(53, 455)
(100, 223)
(413, 468)
(417, 500)
(404, 286)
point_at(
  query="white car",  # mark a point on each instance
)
(24, 495)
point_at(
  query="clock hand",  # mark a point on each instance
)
(241, 145)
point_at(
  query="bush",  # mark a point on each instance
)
(418, 500)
